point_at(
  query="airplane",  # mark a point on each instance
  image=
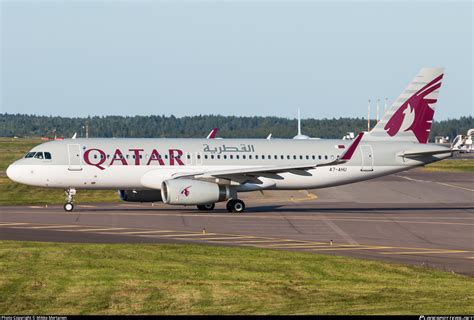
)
(203, 172)
(212, 134)
(301, 136)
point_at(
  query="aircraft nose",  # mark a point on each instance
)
(13, 172)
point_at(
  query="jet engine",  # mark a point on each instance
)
(193, 192)
(140, 195)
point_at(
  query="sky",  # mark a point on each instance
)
(244, 58)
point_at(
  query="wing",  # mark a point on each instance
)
(251, 174)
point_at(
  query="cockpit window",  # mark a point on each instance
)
(30, 155)
(39, 155)
(47, 156)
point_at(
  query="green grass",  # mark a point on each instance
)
(12, 193)
(449, 165)
(59, 278)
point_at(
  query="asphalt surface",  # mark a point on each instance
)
(416, 217)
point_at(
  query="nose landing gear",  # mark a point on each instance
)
(69, 205)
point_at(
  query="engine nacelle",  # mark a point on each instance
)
(193, 192)
(140, 195)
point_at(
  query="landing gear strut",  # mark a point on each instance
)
(235, 206)
(206, 207)
(69, 205)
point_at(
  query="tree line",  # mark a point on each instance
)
(22, 125)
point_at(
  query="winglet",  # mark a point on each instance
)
(350, 151)
(212, 134)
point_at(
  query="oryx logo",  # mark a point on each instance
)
(185, 191)
(415, 114)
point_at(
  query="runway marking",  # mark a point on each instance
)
(238, 239)
(314, 246)
(426, 252)
(454, 186)
(103, 229)
(86, 206)
(441, 183)
(309, 196)
(273, 217)
(154, 231)
(182, 235)
(339, 231)
(352, 248)
(58, 226)
(226, 238)
(262, 241)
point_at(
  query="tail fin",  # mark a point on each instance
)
(411, 115)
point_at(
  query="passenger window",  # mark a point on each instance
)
(205, 156)
(326, 157)
(231, 156)
(95, 156)
(199, 156)
(39, 155)
(225, 157)
(256, 156)
(332, 157)
(319, 157)
(237, 157)
(288, 157)
(218, 156)
(250, 157)
(30, 155)
(307, 157)
(243, 156)
(294, 157)
(301, 157)
(212, 156)
(314, 157)
(47, 156)
(275, 157)
(263, 157)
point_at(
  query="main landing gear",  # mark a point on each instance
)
(69, 205)
(235, 206)
(206, 207)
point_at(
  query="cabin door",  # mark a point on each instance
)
(74, 155)
(367, 158)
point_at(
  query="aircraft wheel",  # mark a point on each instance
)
(206, 207)
(236, 206)
(68, 206)
(229, 205)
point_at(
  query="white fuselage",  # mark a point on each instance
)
(146, 163)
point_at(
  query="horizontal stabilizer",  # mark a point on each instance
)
(425, 153)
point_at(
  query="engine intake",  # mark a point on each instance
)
(193, 192)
